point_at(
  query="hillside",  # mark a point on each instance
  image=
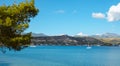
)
(114, 41)
(65, 40)
(110, 38)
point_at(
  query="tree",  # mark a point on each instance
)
(14, 20)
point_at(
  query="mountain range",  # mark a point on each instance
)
(103, 39)
(105, 35)
(66, 40)
(38, 34)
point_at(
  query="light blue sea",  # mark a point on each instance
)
(62, 56)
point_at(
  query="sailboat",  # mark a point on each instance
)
(88, 47)
(32, 46)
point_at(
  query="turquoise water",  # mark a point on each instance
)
(62, 56)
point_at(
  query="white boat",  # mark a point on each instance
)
(88, 47)
(32, 46)
(98, 45)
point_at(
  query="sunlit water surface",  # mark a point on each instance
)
(62, 56)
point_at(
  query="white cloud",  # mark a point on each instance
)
(60, 11)
(98, 15)
(81, 34)
(113, 13)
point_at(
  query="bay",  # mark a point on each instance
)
(62, 56)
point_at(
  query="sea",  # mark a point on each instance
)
(62, 56)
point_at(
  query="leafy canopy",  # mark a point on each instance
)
(14, 20)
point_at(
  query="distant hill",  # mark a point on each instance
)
(110, 38)
(114, 41)
(38, 34)
(66, 40)
(107, 35)
(103, 39)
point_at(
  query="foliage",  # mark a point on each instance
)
(14, 20)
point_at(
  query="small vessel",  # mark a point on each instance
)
(32, 46)
(98, 45)
(88, 47)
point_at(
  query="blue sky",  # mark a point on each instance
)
(75, 16)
